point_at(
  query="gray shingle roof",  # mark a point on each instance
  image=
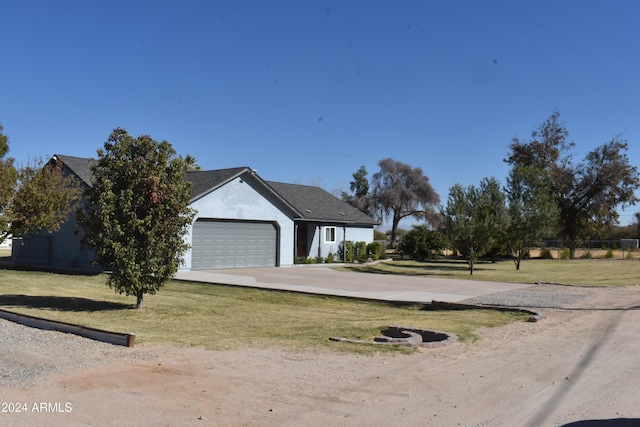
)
(81, 166)
(316, 204)
(311, 203)
(203, 182)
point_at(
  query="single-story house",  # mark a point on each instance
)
(241, 221)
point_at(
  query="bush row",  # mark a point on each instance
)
(355, 252)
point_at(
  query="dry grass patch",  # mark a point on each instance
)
(225, 317)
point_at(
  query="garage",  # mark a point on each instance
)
(233, 244)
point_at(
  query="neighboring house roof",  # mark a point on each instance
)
(316, 204)
(307, 202)
(81, 166)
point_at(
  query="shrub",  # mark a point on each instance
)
(586, 255)
(345, 251)
(565, 253)
(609, 253)
(375, 250)
(329, 258)
(356, 251)
(422, 244)
(361, 251)
(546, 254)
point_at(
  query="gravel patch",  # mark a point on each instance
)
(29, 354)
(544, 296)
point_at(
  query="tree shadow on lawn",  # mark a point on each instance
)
(61, 303)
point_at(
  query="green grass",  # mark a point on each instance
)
(583, 272)
(226, 317)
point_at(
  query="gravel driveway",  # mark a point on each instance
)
(540, 296)
(27, 354)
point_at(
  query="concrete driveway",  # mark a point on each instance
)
(318, 279)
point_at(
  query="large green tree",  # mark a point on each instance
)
(531, 210)
(359, 197)
(474, 219)
(8, 179)
(588, 193)
(401, 191)
(33, 197)
(45, 198)
(4, 142)
(137, 213)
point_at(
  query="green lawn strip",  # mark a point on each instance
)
(226, 317)
(582, 272)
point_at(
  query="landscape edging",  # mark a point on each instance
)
(116, 338)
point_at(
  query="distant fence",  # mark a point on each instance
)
(625, 248)
(595, 244)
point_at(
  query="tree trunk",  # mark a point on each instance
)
(572, 249)
(139, 301)
(394, 231)
(518, 258)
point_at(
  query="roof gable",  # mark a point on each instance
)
(80, 166)
(204, 182)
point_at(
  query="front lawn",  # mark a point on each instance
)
(225, 317)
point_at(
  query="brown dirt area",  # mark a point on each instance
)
(579, 363)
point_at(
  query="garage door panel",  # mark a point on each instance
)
(233, 244)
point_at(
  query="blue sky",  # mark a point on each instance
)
(308, 91)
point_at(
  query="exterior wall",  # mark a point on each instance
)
(240, 199)
(319, 247)
(61, 249)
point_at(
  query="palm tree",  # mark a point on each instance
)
(191, 163)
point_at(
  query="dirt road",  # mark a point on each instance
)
(578, 364)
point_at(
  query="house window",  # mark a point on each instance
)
(329, 234)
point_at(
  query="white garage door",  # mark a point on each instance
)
(233, 244)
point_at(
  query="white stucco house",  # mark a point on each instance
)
(241, 221)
